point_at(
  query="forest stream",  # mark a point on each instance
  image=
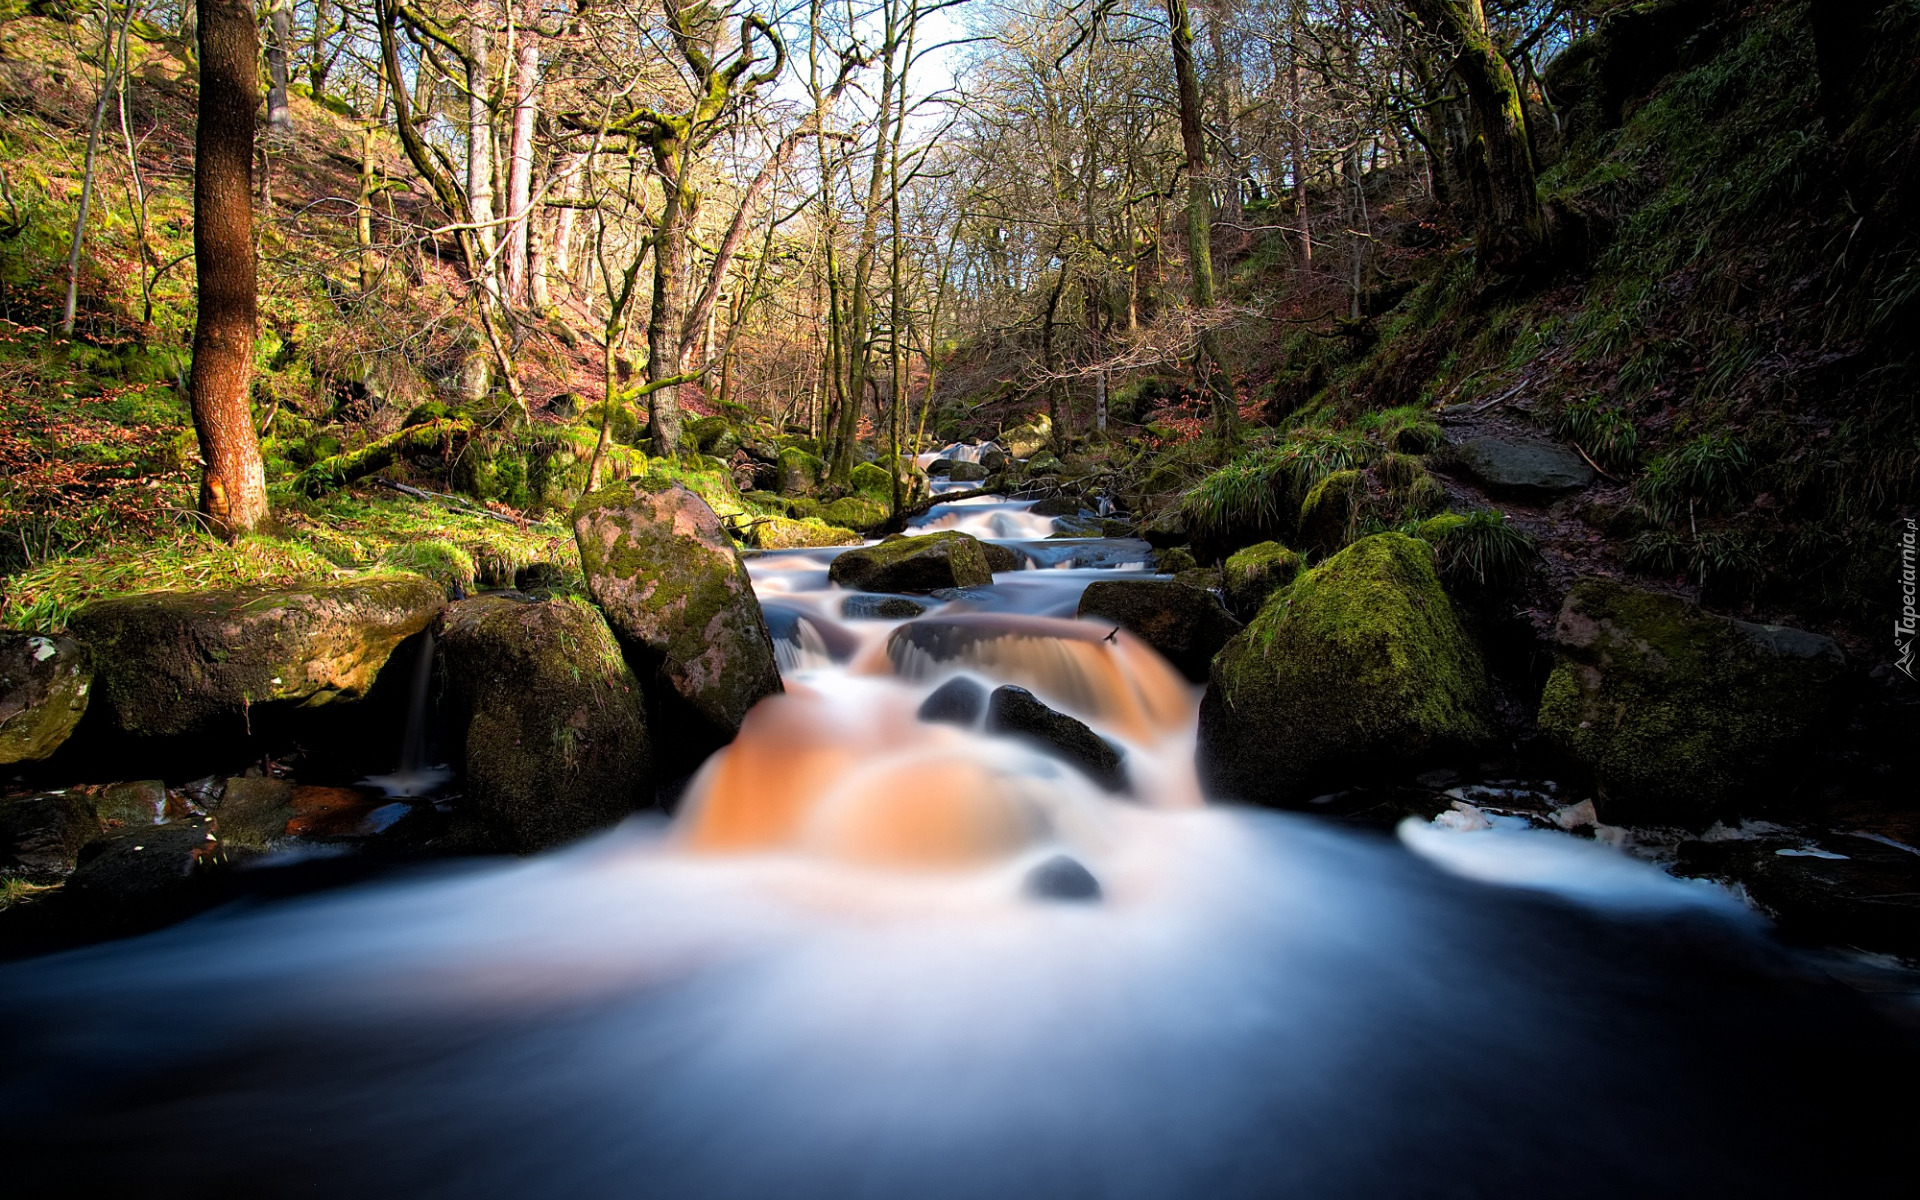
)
(890, 947)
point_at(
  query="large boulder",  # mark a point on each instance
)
(800, 472)
(947, 559)
(182, 662)
(854, 512)
(967, 472)
(1185, 624)
(554, 722)
(663, 570)
(1677, 711)
(1523, 469)
(143, 877)
(1357, 668)
(44, 683)
(254, 811)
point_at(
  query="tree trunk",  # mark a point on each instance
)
(480, 156)
(520, 180)
(109, 68)
(1512, 231)
(1213, 374)
(279, 37)
(233, 487)
(664, 323)
(1299, 140)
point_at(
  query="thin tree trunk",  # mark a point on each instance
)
(279, 37)
(109, 68)
(137, 186)
(233, 487)
(480, 156)
(1213, 372)
(520, 180)
(1299, 139)
(369, 267)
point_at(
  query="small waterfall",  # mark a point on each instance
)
(414, 777)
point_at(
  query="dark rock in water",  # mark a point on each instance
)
(940, 466)
(1360, 668)
(1186, 625)
(1057, 506)
(44, 683)
(1846, 889)
(182, 662)
(884, 608)
(967, 472)
(135, 804)
(796, 626)
(673, 588)
(994, 460)
(206, 791)
(954, 593)
(958, 701)
(41, 836)
(556, 743)
(255, 812)
(149, 875)
(914, 564)
(1016, 711)
(1528, 470)
(1061, 878)
(1002, 557)
(1077, 527)
(1677, 711)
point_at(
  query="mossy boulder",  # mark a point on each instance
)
(1676, 711)
(1253, 574)
(1330, 514)
(872, 480)
(713, 436)
(947, 559)
(170, 663)
(854, 512)
(552, 720)
(663, 570)
(1359, 667)
(782, 533)
(1044, 463)
(800, 473)
(967, 472)
(44, 684)
(1185, 624)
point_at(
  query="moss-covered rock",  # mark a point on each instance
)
(713, 436)
(1359, 666)
(44, 683)
(1330, 514)
(1044, 463)
(665, 573)
(1253, 574)
(1185, 624)
(800, 472)
(782, 533)
(1677, 711)
(914, 564)
(180, 662)
(872, 481)
(553, 721)
(854, 512)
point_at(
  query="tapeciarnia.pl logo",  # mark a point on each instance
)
(1904, 625)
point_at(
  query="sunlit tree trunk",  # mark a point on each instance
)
(233, 486)
(520, 180)
(279, 37)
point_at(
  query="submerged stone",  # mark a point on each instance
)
(673, 588)
(880, 608)
(1358, 668)
(1016, 711)
(44, 684)
(1061, 878)
(1677, 711)
(171, 663)
(1004, 558)
(1185, 624)
(553, 722)
(914, 564)
(958, 701)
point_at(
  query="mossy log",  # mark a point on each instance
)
(378, 455)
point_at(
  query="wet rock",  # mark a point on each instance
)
(149, 875)
(854, 512)
(1186, 625)
(41, 836)
(958, 701)
(1255, 573)
(967, 472)
(673, 588)
(940, 466)
(554, 729)
(1841, 890)
(1076, 527)
(255, 812)
(328, 812)
(805, 630)
(1016, 711)
(1057, 506)
(1676, 711)
(1044, 464)
(1114, 527)
(1360, 668)
(44, 685)
(1525, 470)
(914, 564)
(1004, 558)
(183, 662)
(866, 607)
(994, 460)
(1166, 530)
(1061, 878)
(134, 804)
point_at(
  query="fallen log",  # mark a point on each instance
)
(377, 455)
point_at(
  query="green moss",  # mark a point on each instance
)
(1330, 515)
(854, 512)
(1479, 551)
(915, 564)
(800, 472)
(1360, 664)
(872, 480)
(780, 533)
(436, 558)
(1255, 573)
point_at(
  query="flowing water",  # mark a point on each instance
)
(848, 968)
